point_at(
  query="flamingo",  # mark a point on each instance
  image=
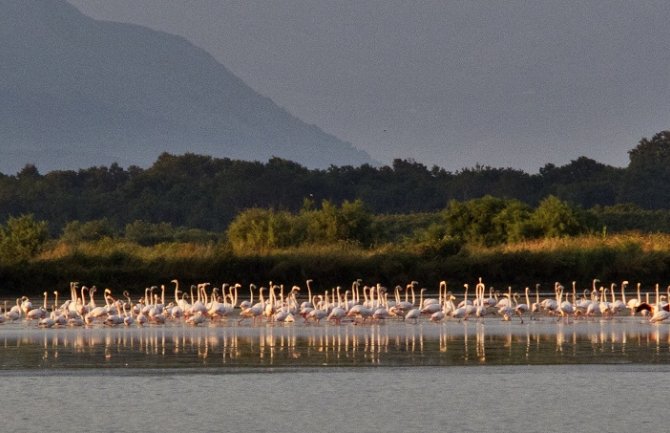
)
(617, 305)
(198, 305)
(447, 308)
(659, 314)
(582, 305)
(415, 313)
(250, 302)
(196, 319)
(536, 307)
(181, 305)
(283, 316)
(633, 303)
(381, 313)
(39, 313)
(603, 305)
(430, 301)
(459, 313)
(506, 310)
(521, 309)
(551, 305)
(339, 311)
(490, 302)
(82, 307)
(269, 308)
(565, 308)
(218, 309)
(481, 304)
(73, 306)
(319, 312)
(232, 296)
(15, 312)
(462, 312)
(141, 319)
(47, 322)
(664, 299)
(76, 321)
(251, 313)
(293, 306)
(360, 311)
(94, 311)
(432, 305)
(337, 314)
(465, 300)
(401, 305)
(26, 305)
(127, 317)
(60, 314)
(115, 319)
(438, 316)
(308, 304)
(592, 306)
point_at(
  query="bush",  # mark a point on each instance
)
(488, 221)
(145, 233)
(555, 218)
(22, 238)
(88, 231)
(259, 230)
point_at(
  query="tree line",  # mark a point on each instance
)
(201, 194)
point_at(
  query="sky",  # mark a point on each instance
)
(449, 83)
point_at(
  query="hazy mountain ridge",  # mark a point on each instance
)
(78, 92)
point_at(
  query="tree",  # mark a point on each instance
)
(22, 238)
(350, 222)
(583, 181)
(355, 222)
(258, 230)
(513, 221)
(322, 223)
(477, 220)
(555, 218)
(648, 174)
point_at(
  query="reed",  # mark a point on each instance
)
(125, 265)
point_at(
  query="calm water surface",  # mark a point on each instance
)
(608, 375)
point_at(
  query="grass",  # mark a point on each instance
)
(659, 242)
(114, 263)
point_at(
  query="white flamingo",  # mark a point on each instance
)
(521, 309)
(659, 314)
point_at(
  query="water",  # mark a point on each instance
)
(608, 375)
(228, 345)
(536, 399)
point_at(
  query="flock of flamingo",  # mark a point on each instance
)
(199, 305)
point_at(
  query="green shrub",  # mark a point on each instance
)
(22, 238)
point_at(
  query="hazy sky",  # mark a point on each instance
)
(452, 83)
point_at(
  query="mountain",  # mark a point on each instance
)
(77, 92)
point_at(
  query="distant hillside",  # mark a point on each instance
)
(77, 92)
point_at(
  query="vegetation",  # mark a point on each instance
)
(196, 218)
(260, 230)
(21, 239)
(124, 265)
(201, 192)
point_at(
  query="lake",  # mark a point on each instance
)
(487, 375)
